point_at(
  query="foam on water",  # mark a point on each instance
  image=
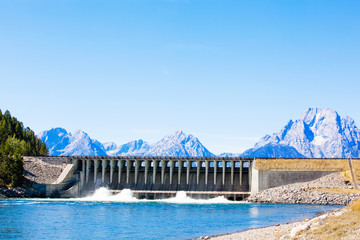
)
(104, 195)
(182, 198)
(126, 195)
(100, 194)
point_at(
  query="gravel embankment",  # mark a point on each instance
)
(38, 171)
(319, 191)
(35, 171)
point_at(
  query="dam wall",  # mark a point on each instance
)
(151, 177)
(210, 176)
(268, 179)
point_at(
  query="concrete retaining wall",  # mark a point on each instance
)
(262, 180)
(66, 175)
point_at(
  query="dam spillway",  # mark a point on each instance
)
(151, 177)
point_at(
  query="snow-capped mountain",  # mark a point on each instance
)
(56, 140)
(62, 143)
(133, 148)
(179, 144)
(319, 133)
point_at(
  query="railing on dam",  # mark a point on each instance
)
(215, 174)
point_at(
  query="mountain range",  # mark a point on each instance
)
(62, 143)
(319, 133)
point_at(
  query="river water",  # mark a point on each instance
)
(102, 216)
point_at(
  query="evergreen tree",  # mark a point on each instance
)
(16, 141)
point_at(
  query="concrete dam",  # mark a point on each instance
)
(161, 177)
(154, 177)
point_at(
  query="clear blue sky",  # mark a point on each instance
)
(228, 72)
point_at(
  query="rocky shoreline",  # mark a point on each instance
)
(18, 192)
(285, 231)
(332, 189)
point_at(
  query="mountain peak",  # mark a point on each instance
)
(54, 131)
(179, 144)
(79, 132)
(60, 142)
(313, 115)
(320, 132)
(176, 135)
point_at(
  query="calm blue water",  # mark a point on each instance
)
(87, 219)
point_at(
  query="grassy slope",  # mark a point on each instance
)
(345, 226)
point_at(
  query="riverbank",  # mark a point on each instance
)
(332, 189)
(298, 230)
(342, 224)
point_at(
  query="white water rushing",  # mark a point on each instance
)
(103, 194)
(126, 195)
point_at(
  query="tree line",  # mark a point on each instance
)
(15, 142)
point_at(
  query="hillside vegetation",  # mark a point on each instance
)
(16, 141)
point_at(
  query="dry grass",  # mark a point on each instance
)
(306, 165)
(347, 175)
(345, 226)
(355, 206)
